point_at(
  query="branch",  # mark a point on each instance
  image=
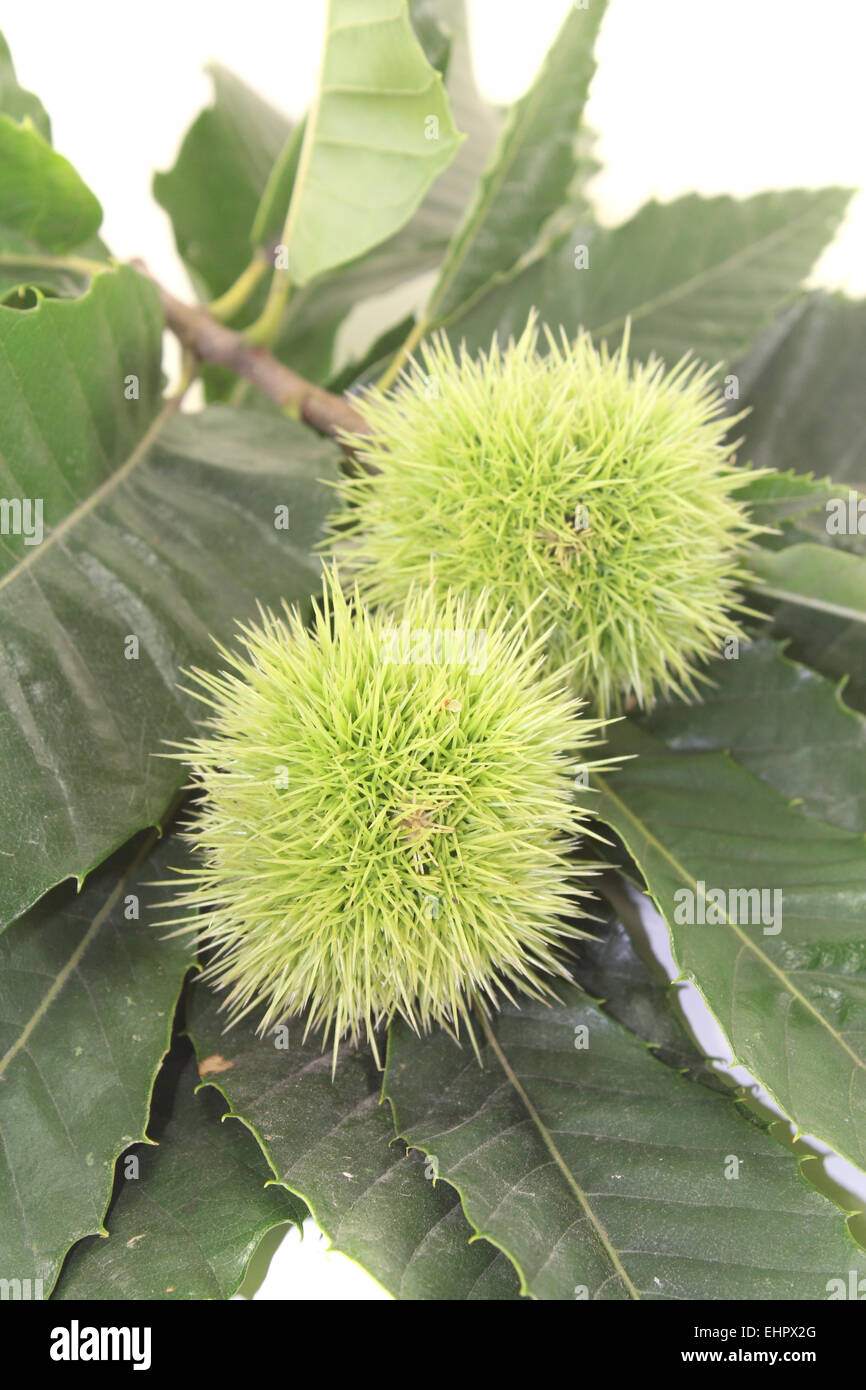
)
(211, 341)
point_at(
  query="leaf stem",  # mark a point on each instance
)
(210, 341)
(392, 371)
(266, 327)
(228, 304)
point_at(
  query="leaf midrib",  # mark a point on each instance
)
(696, 281)
(104, 490)
(75, 958)
(746, 940)
(819, 605)
(548, 1141)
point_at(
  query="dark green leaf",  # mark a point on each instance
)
(617, 969)
(157, 527)
(784, 973)
(785, 723)
(42, 198)
(24, 268)
(187, 1219)
(332, 1142)
(701, 275)
(602, 1172)
(271, 212)
(831, 645)
(88, 987)
(777, 496)
(62, 203)
(804, 389)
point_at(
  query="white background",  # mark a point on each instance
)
(713, 95)
(691, 94)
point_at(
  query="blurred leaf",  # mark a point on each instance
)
(41, 196)
(803, 385)
(332, 1143)
(366, 369)
(308, 336)
(529, 176)
(777, 496)
(187, 1221)
(816, 576)
(15, 101)
(88, 987)
(437, 23)
(159, 529)
(23, 269)
(602, 1172)
(804, 391)
(271, 212)
(40, 192)
(700, 275)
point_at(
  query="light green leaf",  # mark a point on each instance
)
(371, 148)
(44, 206)
(225, 163)
(41, 196)
(186, 1223)
(368, 285)
(602, 1172)
(783, 973)
(158, 531)
(331, 1142)
(15, 101)
(783, 722)
(529, 176)
(271, 212)
(88, 987)
(817, 576)
(700, 275)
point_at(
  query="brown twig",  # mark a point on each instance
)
(211, 341)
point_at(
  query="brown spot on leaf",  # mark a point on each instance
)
(212, 1066)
